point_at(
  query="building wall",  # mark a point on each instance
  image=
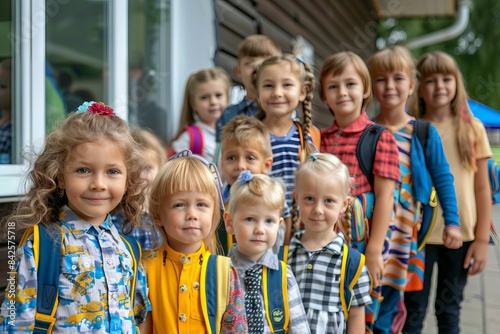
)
(328, 26)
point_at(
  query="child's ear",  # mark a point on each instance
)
(237, 70)
(281, 221)
(268, 163)
(303, 94)
(228, 220)
(60, 182)
(412, 87)
(346, 203)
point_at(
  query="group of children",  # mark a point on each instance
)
(94, 174)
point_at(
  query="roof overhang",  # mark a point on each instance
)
(412, 8)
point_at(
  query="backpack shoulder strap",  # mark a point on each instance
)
(47, 254)
(421, 128)
(315, 136)
(195, 139)
(352, 265)
(366, 148)
(214, 290)
(276, 304)
(135, 251)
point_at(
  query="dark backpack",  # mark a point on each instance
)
(365, 153)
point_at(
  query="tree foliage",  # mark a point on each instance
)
(476, 50)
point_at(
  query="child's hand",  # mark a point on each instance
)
(375, 265)
(476, 256)
(452, 238)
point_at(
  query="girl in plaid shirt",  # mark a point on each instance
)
(316, 253)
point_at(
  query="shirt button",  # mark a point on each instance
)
(196, 286)
(183, 288)
(74, 267)
(86, 265)
(183, 259)
(114, 296)
(109, 261)
(309, 266)
(183, 317)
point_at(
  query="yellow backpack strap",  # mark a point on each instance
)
(214, 290)
(352, 266)
(47, 255)
(135, 251)
(315, 136)
(276, 304)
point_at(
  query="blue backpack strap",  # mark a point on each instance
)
(366, 148)
(48, 246)
(352, 265)
(276, 304)
(135, 251)
(195, 139)
(421, 128)
(209, 295)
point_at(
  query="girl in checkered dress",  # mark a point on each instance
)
(316, 253)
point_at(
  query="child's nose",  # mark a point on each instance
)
(98, 183)
(277, 91)
(191, 214)
(259, 228)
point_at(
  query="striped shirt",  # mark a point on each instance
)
(343, 143)
(318, 275)
(298, 321)
(286, 159)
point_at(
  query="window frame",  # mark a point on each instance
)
(30, 110)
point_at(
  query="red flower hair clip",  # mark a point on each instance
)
(97, 108)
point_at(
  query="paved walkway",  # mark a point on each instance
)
(481, 305)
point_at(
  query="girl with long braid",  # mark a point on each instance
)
(282, 83)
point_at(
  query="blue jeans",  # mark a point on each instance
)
(451, 281)
(388, 310)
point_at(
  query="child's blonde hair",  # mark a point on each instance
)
(337, 63)
(258, 46)
(185, 174)
(440, 62)
(306, 76)
(325, 164)
(149, 141)
(392, 59)
(195, 79)
(244, 130)
(261, 189)
(42, 205)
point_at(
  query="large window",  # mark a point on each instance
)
(76, 56)
(148, 62)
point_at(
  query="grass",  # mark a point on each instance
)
(496, 153)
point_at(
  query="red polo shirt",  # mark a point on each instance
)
(343, 143)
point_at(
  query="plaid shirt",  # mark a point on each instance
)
(318, 275)
(298, 321)
(343, 143)
(6, 138)
(143, 233)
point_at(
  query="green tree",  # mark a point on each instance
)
(476, 50)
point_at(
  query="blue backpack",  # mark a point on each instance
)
(494, 176)
(47, 255)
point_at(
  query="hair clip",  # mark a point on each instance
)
(245, 177)
(211, 167)
(96, 108)
(313, 157)
(300, 60)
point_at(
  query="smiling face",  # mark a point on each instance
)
(392, 89)
(279, 90)
(236, 158)
(438, 90)
(321, 199)
(187, 217)
(94, 179)
(344, 94)
(255, 227)
(210, 100)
